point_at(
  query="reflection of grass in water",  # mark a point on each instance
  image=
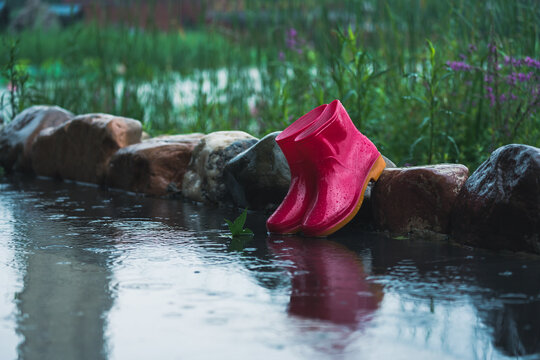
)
(380, 69)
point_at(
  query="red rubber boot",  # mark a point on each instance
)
(288, 217)
(345, 162)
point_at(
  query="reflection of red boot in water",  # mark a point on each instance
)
(328, 281)
(341, 161)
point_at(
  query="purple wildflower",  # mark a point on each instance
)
(513, 96)
(512, 61)
(491, 98)
(291, 39)
(472, 48)
(531, 62)
(490, 95)
(511, 79)
(503, 97)
(462, 56)
(281, 56)
(291, 43)
(459, 66)
(292, 33)
(524, 77)
(492, 48)
(488, 78)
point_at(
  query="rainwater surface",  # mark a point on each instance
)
(92, 274)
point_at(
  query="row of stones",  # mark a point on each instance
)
(498, 206)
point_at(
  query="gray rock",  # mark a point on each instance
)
(259, 177)
(35, 15)
(389, 165)
(4, 15)
(17, 137)
(145, 136)
(499, 205)
(204, 180)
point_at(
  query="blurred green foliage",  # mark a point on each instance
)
(259, 68)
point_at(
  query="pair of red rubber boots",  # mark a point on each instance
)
(331, 164)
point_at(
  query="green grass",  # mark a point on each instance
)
(386, 61)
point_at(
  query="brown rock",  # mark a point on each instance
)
(81, 148)
(499, 205)
(155, 166)
(17, 137)
(417, 198)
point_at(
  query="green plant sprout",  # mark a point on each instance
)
(237, 226)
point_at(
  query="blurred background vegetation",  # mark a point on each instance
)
(427, 80)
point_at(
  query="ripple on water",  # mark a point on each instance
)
(55, 247)
(96, 250)
(146, 286)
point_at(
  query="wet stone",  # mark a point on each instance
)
(204, 180)
(499, 205)
(154, 167)
(259, 177)
(17, 137)
(81, 149)
(417, 198)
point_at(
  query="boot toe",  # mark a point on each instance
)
(287, 226)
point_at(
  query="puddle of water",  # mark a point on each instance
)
(105, 275)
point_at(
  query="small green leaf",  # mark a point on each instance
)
(241, 220)
(425, 121)
(232, 227)
(237, 226)
(431, 49)
(352, 38)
